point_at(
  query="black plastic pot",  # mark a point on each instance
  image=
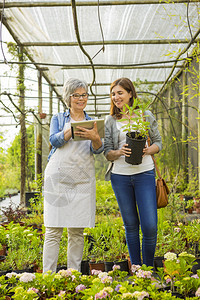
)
(158, 262)
(123, 265)
(137, 146)
(85, 267)
(108, 265)
(30, 195)
(197, 266)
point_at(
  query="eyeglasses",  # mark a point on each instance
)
(78, 96)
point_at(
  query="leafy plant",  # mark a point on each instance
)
(135, 117)
(13, 213)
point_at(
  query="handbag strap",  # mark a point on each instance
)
(158, 172)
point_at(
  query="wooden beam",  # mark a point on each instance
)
(89, 3)
(117, 42)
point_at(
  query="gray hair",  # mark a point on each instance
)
(70, 86)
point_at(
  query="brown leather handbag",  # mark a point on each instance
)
(162, 190)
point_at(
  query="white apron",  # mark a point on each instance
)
(70, 186)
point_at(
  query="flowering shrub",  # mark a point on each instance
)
(71, 284)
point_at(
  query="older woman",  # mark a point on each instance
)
(69, 181)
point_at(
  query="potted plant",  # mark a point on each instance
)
(137, 130)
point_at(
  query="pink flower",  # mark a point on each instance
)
(65, 273)
(116, 267)
(102, 294)
(134, 268)
(168, 280)
(62, 293)
(106, 279)
(95, 272)
(33, 289)
(143, 274)
(177, 229)
(80, 287)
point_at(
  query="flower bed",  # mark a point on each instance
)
(175, 277)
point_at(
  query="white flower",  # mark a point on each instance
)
(170, 256)
(9, 275)
(140, 295)
(102, 274)
(197, 294)
(26, 277)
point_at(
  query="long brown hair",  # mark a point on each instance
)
(126, 84)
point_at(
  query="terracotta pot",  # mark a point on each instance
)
(3, 250)
(96, 266)
(42, 115)
(129, 266)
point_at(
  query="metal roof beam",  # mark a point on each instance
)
(87, 3)
(117, 42)
(108, 84)
(118, 67)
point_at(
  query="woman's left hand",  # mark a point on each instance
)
(150, 150)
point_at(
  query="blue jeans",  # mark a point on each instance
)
(136, 197)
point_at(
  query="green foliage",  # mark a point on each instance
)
(10, 164)
(101, 165)
(106, 202)
(135, 119)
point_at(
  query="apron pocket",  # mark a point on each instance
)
(73, 176)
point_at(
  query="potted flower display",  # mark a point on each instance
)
(137, 130)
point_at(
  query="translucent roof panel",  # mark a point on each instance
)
(141, 41)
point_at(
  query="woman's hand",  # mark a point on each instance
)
(90, 134)
(125, 151)
(150, 150)
(67, 134)
(115, 154)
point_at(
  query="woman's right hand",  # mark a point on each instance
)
(125, 150)
(115, 154)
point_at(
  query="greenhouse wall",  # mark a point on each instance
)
(182, 98)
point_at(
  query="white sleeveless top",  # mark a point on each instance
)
(70, 186)
(123, 168)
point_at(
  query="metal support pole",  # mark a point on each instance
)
(198, 120)
(50, 102)
(184, 128)
(22, 128)
(39, 129)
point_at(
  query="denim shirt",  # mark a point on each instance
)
(56, 137)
